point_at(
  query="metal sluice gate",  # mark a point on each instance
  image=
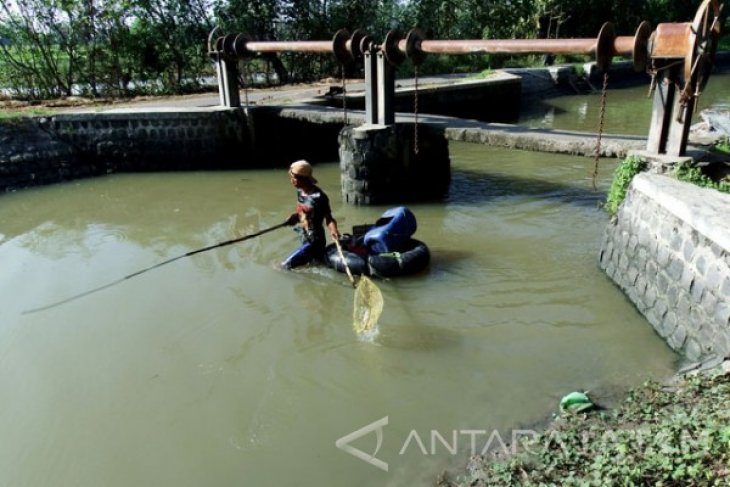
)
(678, 56)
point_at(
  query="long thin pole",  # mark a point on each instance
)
(134, 274)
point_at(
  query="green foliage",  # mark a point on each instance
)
(127, 47)
(656, 437)
(695, 176)
(724, 44)
(33, 112)
(484, 73)
(89, 46)
(622, 177)
(723, 146)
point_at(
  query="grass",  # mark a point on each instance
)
(723, 147)
(694, 175)
(622, 177)
(633, 165)
(485, 73)
(659, 435)
(33, 112)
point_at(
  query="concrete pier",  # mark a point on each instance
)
(386, 164)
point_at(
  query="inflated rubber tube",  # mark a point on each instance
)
(414, 259)
(357, 264)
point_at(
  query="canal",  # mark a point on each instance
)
(220, 369)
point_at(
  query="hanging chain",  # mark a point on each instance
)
(415, 110)
(344, 93)
(245, 86)
(601, 119)
(652, 71)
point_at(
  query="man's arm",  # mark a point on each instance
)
(332, 226)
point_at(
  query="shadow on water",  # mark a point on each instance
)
(473, 187)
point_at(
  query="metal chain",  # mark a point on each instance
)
(652, 71)
(601, 119)
(415, 110)
(344, 93)
(652, 85)
(245, 86)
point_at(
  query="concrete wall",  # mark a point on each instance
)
(380, 164)
(492, 99)
(36, 151)
(132, 140)
(280, 136)
(31, 156)
(669, 251)
(45, 150)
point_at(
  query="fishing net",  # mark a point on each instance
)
(368, 306)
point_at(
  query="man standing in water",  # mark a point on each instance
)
(313, 208)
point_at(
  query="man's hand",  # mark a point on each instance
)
(293, 219)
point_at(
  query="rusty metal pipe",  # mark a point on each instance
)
(622, 45)
(501, 46)
(672, 40)
(289, 46)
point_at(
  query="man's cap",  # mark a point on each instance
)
(302, 169)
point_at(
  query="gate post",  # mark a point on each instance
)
(386, 90)
(371, 87)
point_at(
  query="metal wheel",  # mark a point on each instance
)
(702, 46)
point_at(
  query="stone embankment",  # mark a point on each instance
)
(69, 146)
(35, 151)
(669, 251)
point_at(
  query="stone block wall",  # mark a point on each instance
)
(669, 251)
(155, 140)
(30, 156)
(36, 151)
(281, 136)
(379, 164)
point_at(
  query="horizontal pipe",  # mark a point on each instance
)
(671, 40)
(622, 45)
(500, 46)
(289, 46)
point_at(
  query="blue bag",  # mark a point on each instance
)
(391, 232)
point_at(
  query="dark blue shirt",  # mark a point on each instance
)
(313, 208)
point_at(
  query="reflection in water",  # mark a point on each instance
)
(472, 187)
(583, 112)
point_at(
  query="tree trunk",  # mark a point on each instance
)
(279, 68)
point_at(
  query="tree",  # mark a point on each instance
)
(256, 18)
(45, 53)
(172, 35)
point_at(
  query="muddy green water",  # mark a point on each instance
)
(222, 370)
(628, 110)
